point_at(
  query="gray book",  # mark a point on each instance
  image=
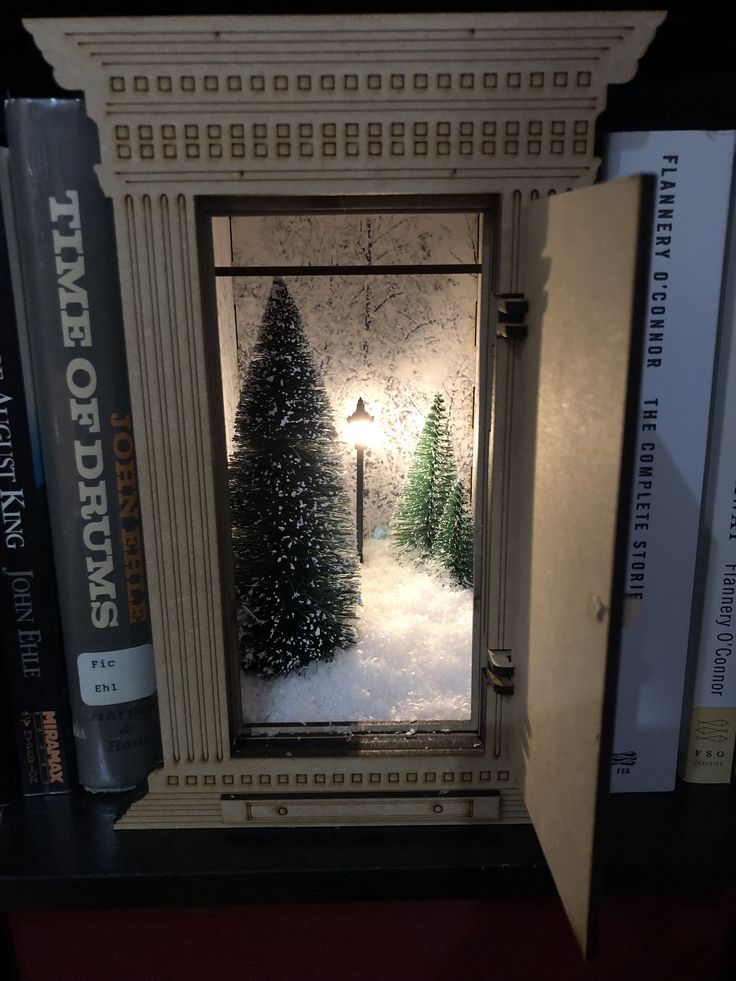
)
(77, 352)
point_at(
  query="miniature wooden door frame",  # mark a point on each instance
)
(376, 736)
(491, 104)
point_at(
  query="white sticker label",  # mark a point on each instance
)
(111, 677)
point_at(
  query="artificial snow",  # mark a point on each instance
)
(412, 662)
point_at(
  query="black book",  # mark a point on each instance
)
(29, 612)
(74, 314)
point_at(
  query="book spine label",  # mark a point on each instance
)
(78, 355)
(709, 719)
(29, 616)
(693, 171)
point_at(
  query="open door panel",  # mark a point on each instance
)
(576, 390)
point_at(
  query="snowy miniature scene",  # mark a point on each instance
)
(348, 357)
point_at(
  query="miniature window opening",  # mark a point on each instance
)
(352, 363)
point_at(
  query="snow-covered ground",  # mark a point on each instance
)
(412, 661)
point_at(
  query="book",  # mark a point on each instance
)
(30, 629)
(9, 770)
(693, 171)
(709, 712)
(71, 292)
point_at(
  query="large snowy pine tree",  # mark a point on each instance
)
(453, 546)
(427, 487)
(293, 538)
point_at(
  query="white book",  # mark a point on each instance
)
(693, 171)
(709, 715)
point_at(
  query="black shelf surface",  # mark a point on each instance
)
(63, 853)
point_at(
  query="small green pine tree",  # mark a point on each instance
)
(453, 546)
(296, 570)
(431, 475)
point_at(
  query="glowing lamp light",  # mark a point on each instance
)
(362, 430)
(362, 434)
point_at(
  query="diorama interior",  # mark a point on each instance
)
(382, 200)
(388, 305)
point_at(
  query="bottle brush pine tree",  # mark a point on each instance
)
(423, 497)
(296, 569)
(453, 546)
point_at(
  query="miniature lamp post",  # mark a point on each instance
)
(361, 432)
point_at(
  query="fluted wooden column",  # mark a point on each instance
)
(164, 334)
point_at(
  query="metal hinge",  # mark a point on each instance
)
(512, 311)
(500, 675)
(501, 672)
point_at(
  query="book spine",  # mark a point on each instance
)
(693, 171)
(29, 615)
(75, 331)
(9, 770)
(709, 719)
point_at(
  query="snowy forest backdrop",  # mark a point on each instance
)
(394, 340)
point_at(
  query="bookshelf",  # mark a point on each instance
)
(62, 853)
